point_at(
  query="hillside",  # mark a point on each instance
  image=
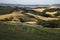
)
(30, 15)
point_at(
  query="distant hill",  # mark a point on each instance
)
(56, 4)
(4, 4)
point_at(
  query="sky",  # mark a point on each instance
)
(30, 1)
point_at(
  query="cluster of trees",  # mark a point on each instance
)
(52, 10)
(51, 24)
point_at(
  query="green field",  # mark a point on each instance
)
(5, 10)
(13, 31)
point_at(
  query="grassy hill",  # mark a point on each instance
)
(5, 10)
(14, 31)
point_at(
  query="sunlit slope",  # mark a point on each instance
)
(17, 15)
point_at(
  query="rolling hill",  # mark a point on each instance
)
(25, 23)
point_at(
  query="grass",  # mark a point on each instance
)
(13, 31)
